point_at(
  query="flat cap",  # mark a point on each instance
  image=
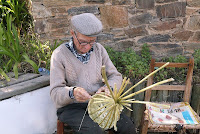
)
(87, 24)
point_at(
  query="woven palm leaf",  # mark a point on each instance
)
(106, 109)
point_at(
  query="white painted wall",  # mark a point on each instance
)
(29, 113)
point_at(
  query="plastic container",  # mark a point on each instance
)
(44, 71)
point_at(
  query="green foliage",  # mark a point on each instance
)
(179, 74)
(38, 51)
(11, 50)
(19, 9)
(129, 63)
(196, 72)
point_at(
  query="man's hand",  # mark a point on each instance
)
(103, 89)
(81, 95)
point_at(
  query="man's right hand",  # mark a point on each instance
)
(81, 95)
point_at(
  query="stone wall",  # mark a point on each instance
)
(170, 27)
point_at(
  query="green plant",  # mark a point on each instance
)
(39, 51)
(10, 46)
(196, 72)
(19, 9)
(130, 64)
(178, 74)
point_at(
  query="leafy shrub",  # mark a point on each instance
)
(19, 9)
(129, 63)
(11, 49)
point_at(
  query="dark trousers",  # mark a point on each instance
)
(72, 115)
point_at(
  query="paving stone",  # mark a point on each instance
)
(23, 87)
(21, 78)
(83, 9)
(145, 4)
(172, 10)
(154, 38)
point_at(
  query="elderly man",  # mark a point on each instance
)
(76, 76)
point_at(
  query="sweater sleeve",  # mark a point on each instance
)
(59, 89)
(113, 75)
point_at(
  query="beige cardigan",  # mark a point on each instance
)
(67, 72)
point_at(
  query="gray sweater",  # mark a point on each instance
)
(68, 72)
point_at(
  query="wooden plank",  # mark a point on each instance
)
(169, 87)
(150, 81)
(177, 65)
(187, 93)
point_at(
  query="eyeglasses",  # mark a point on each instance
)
(84, 43)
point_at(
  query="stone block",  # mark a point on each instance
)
(41, 26)
(123, 45)
(166, 50)
(104, 37)
(145, 4)
(61, 32)
(118, 31)
(166, 25)
(114, 16)
(133, 10)
(191, 47)
(136, 31)
(53, 3)
(192, 11)
(194, 23)
(154, 38)
(40, 11)
(196, 37)
(95, 1)
(120, 38)
(194, 3)
(182, 35)
(37, 0)
(145, 18)
(122, 2)
(172, 10)
(23, 87)
(165, 1)
(58, 10)
(83, 9)
(58, 22)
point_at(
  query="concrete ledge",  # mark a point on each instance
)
(25, 83)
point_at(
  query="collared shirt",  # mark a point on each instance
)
(84, 58)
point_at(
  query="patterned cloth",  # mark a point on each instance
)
(82, 57)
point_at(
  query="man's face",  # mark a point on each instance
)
(82, 43)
